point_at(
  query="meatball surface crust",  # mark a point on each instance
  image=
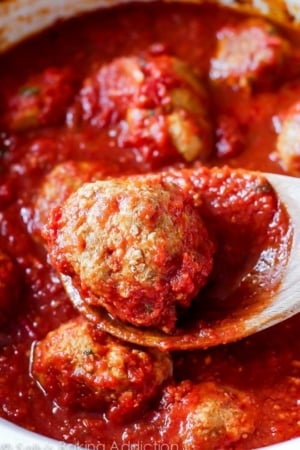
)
(42, 101)
(159, 102)
(253, 52)
(135, 246)
(59, 184)
(288, 141)
(9, 286)
(207, 416)
(80, 366)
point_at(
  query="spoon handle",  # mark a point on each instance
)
(287, 298)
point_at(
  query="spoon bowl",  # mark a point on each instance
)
(221, 324)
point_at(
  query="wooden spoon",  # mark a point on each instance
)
(262, 311)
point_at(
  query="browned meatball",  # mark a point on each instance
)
(288, 142)
(159, 102)
(207, 416)
(251, 52)
(80, 366)
(59, 184)
(42, 101)
(134, 246)
(9, 286)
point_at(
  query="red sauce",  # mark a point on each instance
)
(265, 366)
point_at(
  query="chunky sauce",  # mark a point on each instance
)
(265, 366)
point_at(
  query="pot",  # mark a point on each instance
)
(22, 18)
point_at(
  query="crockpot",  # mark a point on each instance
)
(20, 19)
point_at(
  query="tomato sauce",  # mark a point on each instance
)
(266, 365)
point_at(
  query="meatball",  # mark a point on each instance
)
(58, 185)
(42, 101)
(9, 286)
(159, 102)
(80, 366)
(249, 53)
(133, 245)
(207, 416)
(288, 141)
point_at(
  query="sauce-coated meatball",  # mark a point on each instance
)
(135, 246)
(9, 286)
(288, 142)
(80, 366)
(159, 102)
(250, 53)
(207, 416)
(42, 101)
(59, 184)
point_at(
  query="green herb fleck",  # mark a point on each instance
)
(88, 352)
(263, 188)
(148, 308)
(28, 91)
